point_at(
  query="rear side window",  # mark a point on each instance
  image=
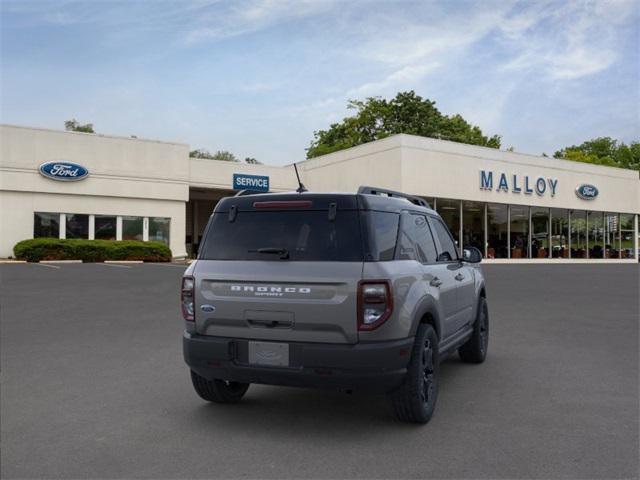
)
(383, 235)
(416, 241)
(304, 235)
(448, 249)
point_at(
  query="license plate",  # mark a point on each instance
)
(269, 353)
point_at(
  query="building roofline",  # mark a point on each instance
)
(102, 135)
(448, 146)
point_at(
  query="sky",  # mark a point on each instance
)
(258, 77)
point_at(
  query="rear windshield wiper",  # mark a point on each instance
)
(283, 252)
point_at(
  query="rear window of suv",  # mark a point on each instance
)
(305, 236)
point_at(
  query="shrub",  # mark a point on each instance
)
(37, 249)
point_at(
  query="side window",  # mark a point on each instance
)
(384, 229)
(416, 242)
(448, 251)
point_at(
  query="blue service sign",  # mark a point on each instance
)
(256, 183)
(63, 171)
(586, 191)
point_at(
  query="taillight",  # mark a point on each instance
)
(186, 298)
(375, 303)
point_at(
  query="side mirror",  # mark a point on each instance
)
(471, 255)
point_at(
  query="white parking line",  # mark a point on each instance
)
(46, 265)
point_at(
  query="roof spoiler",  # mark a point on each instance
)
(392, 193)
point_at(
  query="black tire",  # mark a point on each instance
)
(415, 400)
(475, 349)
(219, 391)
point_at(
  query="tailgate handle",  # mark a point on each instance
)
(271, 323)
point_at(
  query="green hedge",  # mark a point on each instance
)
(37, 249)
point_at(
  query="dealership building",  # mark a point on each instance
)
(513, 207)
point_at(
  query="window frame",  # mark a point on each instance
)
(439, 248)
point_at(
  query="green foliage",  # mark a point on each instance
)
(409, 113)
(252, 161)
(36, 249)
(219, 155)
(604, 151)
(74, 126)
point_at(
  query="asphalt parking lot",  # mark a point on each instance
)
(94, 385)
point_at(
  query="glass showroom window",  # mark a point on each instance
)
(132, 228)
(578, 234)
(559, 233)
(497, 231)
(48, 225)
(539, 232)
(473, 225)
(611, 235)
(595, 235)
(105, 227)
(77, 226)
(519, 240)
(449, 210)
(626, 235)
(159, 229)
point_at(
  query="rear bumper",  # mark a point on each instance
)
(373, 367)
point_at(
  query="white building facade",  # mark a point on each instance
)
(513, 207)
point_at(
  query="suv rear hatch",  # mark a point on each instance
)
(281, 267)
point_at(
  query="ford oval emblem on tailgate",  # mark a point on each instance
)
(208, 308)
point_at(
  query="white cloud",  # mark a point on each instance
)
(405, 77)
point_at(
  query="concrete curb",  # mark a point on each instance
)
(60, 261)
(123, 261)
(6, 261)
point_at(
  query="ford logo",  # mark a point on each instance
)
(64, 171)
(208, 308)
(586, 192)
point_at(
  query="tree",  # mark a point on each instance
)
(252, 161)
(409, 113)
(74, 126)
(604, 151)
(219, 155)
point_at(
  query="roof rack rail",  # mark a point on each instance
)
(392, 193)
(243, 193)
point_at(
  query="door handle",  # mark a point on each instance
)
(435, 282)
(459, 277)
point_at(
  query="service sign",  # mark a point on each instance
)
(586, 191)
(63, 171)
(255, 183)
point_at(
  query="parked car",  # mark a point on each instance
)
(361, 291)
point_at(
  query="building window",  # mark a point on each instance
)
(626, 235)
(159, 229)
(473, 225)
(611, 235)
(449, 210)
(46, 225)
(539, 232)
(519, 239)
(559, 233)
(77, 226)
(497, 231)
(595, 236)
(578, 234)
(105, 227)
(132, 228)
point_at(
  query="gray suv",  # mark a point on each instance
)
(361, 291)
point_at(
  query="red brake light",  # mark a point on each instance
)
(375, 303)
(187, 298)
(284, 204)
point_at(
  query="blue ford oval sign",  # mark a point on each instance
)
(586, 191)
(64, 171)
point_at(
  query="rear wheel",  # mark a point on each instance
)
(219, 391)
(415, 400)
(475, 349)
